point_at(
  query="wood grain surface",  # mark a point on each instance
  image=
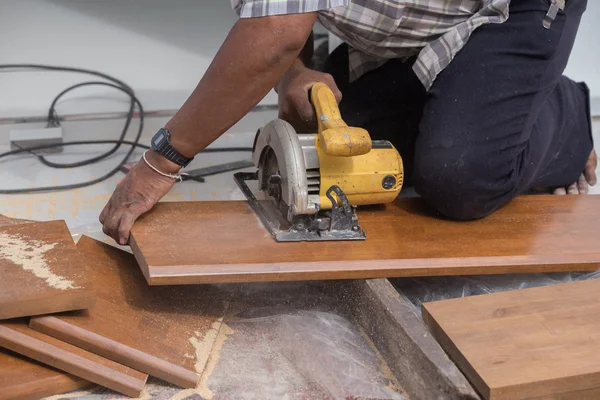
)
(540, 343)
(23, 379)
(205, 242)
(26, 379)
(162, 331)
(35, 282)
(16, 336)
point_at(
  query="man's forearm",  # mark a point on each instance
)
(255, 55)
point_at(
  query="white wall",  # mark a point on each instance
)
(584, 64)
(160, 47)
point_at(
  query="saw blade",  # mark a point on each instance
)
(270, 178)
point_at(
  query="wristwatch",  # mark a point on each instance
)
(161, 143)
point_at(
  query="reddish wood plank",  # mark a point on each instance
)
(26, 379)
(539, 343)
(23, 379)
(16, 336)
(204, 242)
(157, 330)
(41, 271)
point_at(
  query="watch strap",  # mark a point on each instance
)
(161, 143)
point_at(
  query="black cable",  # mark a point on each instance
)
(127, 142)
(53, 121)
(93, 181)
(104, 155)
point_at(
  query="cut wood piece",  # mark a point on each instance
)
(16, 336)
(26, 379)
(166, 332)
(206, 242)
(4, 220)
(540, 343)
(42, 271)
(23, 379)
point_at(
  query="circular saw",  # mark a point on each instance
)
(310, 185)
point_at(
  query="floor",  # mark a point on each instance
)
(257, 345)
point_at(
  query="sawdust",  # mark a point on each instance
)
(392, 382)
(208, 351)
(30, 255)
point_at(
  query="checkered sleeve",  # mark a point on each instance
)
(264, 8)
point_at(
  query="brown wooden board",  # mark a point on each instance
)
(23, 379)
(540, 343)
(166, 332)
(205, 242)
(16, 336)
(41, 271)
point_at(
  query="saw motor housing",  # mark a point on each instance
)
(318, 179)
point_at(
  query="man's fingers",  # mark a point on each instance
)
(582, 184)
(111, 223)
(304, 107)
(127, 220)
(330, 82)
(561, 191)
(125, 227)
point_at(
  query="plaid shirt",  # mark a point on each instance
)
(377, 30)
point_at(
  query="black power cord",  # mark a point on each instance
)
(54, 121)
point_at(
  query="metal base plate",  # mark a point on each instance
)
(281, 229)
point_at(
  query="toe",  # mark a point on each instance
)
(573, 189)
(561, 191)
(582, 184)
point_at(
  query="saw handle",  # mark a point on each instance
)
(335, 137)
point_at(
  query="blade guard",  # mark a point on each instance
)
(335, 137)
(281, 137)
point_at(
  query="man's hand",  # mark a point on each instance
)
(587, 178)
(253, 58)
(141, 189)
(294, 102)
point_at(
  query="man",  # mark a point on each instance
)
(471, 93)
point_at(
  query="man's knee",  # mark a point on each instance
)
(458, 184)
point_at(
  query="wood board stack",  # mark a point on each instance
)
(113, 333)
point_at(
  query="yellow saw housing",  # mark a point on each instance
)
(368, 172)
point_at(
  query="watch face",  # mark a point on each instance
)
(158, 140)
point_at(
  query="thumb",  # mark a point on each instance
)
(127, 220)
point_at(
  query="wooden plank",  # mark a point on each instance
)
(23, 379)
(163, 331)
(41, 271)
(205, 242)
(540, 343)
(16, 336)
(414, 357)
(26, 379)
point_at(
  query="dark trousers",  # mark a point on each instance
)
(498, 121)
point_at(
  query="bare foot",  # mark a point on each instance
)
(587, 178)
